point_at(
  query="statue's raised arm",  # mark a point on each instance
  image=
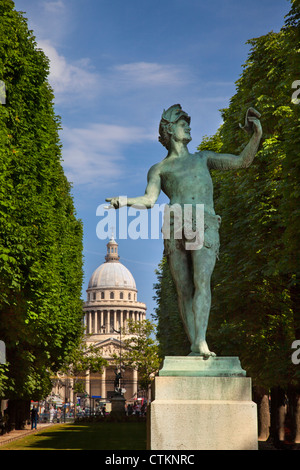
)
(244, 160)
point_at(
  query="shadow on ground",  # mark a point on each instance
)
(98, 436)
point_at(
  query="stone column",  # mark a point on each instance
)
(87, 383)
(101, 321)
(96, 322)
(103, 383)
(115, 326)
(135, 382)
(107, 322)
(72, 391)
(90, 322)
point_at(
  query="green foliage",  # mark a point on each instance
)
(255, 309)
(171, 335)
(3, 378)
(40, 236)
(84, 358)
(255, 295)
(140, 351)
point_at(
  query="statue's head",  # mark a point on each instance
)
(170, 117)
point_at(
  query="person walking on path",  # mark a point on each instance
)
(34, 417)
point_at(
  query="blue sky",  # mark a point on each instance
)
(115, 66)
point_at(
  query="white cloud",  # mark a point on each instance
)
(94, 155)
(151, 74)
(54, 6)
(70, 81)
(75, 82)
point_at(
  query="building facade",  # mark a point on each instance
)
(111, 302)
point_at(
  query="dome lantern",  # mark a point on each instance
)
(112, 251)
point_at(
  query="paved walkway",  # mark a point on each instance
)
(17, 434)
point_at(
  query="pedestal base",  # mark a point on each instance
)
(198, 412)
(117, 406)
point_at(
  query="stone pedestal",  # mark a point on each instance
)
(200, 404)
(117, 406)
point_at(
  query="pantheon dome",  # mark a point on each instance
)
(112, 273)
(111, 297)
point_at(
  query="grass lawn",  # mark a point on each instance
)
(85, 436)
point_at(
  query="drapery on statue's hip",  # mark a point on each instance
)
(179, 233)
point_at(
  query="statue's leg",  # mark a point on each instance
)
(203, 264)
(180, 267)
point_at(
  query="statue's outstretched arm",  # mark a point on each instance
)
(148, 199)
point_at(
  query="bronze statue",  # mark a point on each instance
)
(185, 178)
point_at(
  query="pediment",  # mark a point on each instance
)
(108, 347)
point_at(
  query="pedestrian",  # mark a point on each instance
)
(51, 414)
(144, 409)
(34, 417)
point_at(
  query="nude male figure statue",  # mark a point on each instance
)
(185, 178)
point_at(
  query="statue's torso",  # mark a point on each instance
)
(187, 180)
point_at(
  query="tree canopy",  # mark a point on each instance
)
(255, 297)
(40, 235)
(140, 351)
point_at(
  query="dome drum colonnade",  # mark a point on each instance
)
(109, 321)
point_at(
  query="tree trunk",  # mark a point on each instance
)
(297, 419)
(18, 413)
(261, 398)
(294, 413)
(278, 414)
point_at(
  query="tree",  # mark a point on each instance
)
(171, 335)
(255, 299)
(255, 311)
(257, 246)
(40, 236)
(140, 351)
